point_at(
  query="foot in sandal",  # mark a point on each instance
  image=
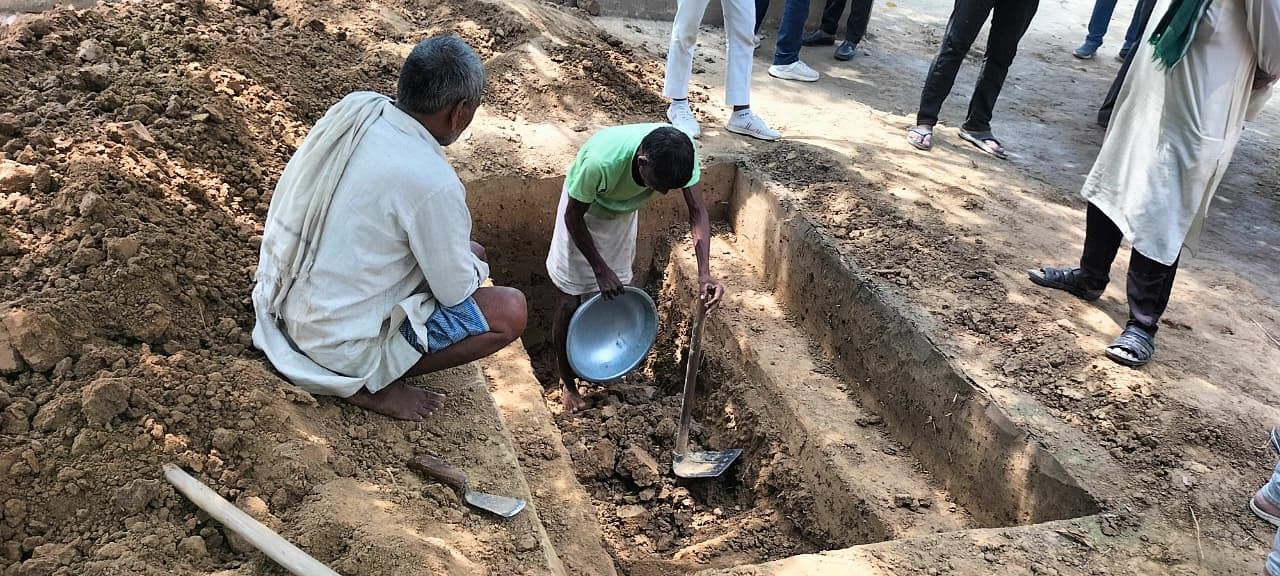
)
(1133, 348)
(921, 137)
(986, 142)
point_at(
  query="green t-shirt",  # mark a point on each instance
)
(601, 173)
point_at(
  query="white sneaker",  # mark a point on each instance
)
(681, 116)
(745, 122)
(759, 39)
(794, 71)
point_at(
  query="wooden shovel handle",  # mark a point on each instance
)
(438, 469)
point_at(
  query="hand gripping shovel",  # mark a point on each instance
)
(435, 468)
(685, 464)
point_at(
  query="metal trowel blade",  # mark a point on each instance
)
(704, 464)
(504, 506)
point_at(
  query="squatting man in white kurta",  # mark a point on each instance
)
(1207, 67)
(367, 272)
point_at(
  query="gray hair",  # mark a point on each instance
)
(439, 73)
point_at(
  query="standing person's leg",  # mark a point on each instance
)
(1141, 17)
(739, 16)
(1009, 21)
(684, 39)
(825, 34)
(1149, 284)
(1098, 23)
(854, 28)
(1141, 13)
(1101, 242)
(786, 57)
(967, 18)
(566, 305)
(762, 8)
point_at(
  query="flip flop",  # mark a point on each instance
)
(981, 139)
(1137, 343)
(923, 140)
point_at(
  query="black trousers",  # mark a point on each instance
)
(762, 6)
(1148, 283)
(1145, 8)
(1009, 21)
(855, 27)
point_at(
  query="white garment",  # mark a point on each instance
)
(396, 240)
(614, 238)
(739, 28)
(1173, 132)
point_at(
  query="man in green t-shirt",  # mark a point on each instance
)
(615, 173)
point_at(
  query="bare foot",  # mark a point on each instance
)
(573, 402)
(399, 400)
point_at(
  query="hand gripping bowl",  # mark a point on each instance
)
(610, 338)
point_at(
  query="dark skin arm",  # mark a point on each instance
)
(575, 221)
(708, 288)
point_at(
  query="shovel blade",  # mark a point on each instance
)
(504, 506)
(708, 464)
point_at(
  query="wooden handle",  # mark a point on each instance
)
(264, 539)
(690, 376)
(438, 469)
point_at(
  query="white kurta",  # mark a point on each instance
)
(1173, 131)
(395, 244)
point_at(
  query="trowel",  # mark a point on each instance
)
(686, 464)
(437, 469)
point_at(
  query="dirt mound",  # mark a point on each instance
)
(140, 145)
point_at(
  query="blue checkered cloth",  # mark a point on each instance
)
(448, 326)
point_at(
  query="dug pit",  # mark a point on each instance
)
(854, 428)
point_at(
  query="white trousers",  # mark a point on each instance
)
(739, 27)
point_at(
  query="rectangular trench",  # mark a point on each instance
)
(883, 388)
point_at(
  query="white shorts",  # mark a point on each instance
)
(615, 240)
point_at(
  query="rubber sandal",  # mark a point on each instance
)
(1137, 343)
(980, 140)
(1260, 513)
(924, 140)
(1069, 280)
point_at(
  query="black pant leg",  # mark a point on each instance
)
(1101, 242)
(859, 16)
(1009, 21)
(967, 18)
(1145, 8)
(831, 16)
(1149, 285)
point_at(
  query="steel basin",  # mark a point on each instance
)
(610, 338)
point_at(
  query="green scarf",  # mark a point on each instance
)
(1172, 35)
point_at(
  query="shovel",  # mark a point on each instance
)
(437, 469)
(711, 463)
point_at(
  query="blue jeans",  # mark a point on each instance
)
(1272, 493)
(794, 13)
(1101, 19)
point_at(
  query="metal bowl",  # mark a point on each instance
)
(610, 338)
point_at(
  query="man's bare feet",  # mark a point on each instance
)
(399, 400)
(572, 400)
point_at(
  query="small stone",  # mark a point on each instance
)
(527, 543)
(132, 133)
(634, 516)
(591, 7)
(134, 496)
(16, 177)
(638, 465)
(871, 420)
(193, 546)
(90, 51)
(96, 78)
(609, 411)
(905, 501)
(122, 249)
(105, 399)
